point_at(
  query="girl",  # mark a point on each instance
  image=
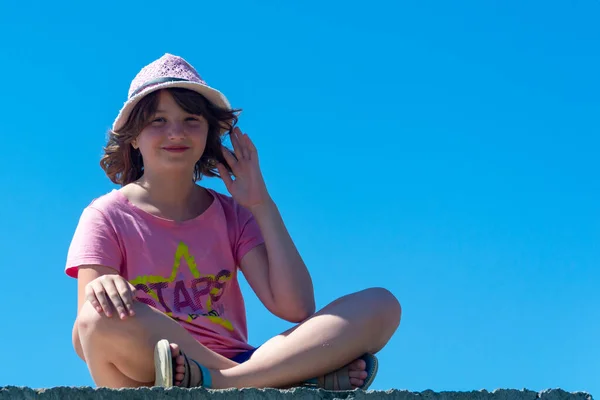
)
(156, 261)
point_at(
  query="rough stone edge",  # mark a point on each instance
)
(83, 393)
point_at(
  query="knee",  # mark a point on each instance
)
(90, 323)
(386, 305)
(86, 327)
(77, 341)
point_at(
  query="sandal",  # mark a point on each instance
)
(339, 379)
(164, 372)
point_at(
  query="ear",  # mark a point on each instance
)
(134, 144)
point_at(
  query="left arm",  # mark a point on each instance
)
(275, 270)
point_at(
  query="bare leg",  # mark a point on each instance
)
(335, 336)
(120, 353)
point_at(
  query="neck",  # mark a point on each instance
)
(170, 191)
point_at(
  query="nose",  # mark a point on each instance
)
(175, 131)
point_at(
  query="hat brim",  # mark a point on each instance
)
(213, 95)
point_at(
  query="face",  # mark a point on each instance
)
(174, 140)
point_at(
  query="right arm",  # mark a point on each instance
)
(92, 281)
(105, 289)
(95, 259)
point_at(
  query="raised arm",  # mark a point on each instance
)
(274, 270)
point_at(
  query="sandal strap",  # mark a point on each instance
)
(191, 378)
(329, 383)
(337, 380)
(344, 380)
(187, 376)
(205, 378)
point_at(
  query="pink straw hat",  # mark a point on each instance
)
(169, 71)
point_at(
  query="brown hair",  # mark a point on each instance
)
(123, 164)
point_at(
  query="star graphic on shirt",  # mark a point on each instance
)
(183, 252)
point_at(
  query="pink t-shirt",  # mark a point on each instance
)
(188, 270)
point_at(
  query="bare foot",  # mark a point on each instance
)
(179, 368)
(357, 372)
(356, 369)
(178, 365)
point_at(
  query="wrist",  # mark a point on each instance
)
(263, 208)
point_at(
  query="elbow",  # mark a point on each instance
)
(296, 308)
(300, 313)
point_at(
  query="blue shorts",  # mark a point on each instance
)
(243, 357)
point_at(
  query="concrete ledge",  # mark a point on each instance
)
(83, 393)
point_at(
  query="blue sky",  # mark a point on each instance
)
(444, 150)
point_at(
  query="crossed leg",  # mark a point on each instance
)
(120, 353)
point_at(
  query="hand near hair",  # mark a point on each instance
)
(248, 189)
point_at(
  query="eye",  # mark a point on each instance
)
(157, 121)
(193, 120)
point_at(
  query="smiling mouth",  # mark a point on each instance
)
(176, 149)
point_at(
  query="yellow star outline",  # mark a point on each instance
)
(183, 252)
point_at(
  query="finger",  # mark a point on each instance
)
(126, 295)
(252, 152)
(250, 144)
(134, 291)
(91, 297)
(224, 175)
(235, 142)
(239, 144)
(231, 160)
(243, 145)
(115, 297)
(100, 292)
